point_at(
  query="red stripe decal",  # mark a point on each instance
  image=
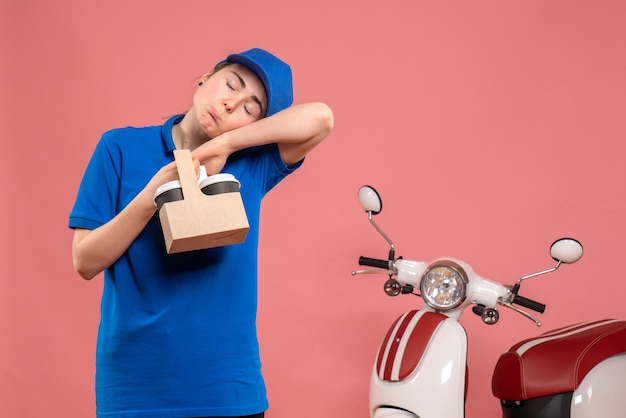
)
(394, 343)
(383, 346)
(418, 340)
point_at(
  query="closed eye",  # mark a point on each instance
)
(243, 86)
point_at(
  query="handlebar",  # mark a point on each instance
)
(529, 303)
(518, 300)
(373, 262)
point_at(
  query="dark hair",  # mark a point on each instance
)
(221, 65)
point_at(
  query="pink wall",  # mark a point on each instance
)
(490, 128)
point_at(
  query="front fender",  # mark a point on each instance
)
(392, 413)
(421, 366)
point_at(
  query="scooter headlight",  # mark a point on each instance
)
(444, 285)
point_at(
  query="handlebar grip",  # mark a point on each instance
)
(529, 303)
(373, 262)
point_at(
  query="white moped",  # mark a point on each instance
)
(421, 366)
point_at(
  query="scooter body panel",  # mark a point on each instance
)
(392, 413)
(429, 384)
(601, 393)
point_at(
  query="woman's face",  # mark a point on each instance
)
(229, 98)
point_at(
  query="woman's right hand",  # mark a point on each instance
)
(166, 174)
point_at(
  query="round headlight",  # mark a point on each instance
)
(444, 285)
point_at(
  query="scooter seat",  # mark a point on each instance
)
(557, 361)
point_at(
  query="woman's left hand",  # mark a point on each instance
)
(212, 154)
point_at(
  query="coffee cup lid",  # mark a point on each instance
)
(218, 178)
(170, 185)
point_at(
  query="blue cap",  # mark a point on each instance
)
(274, 73)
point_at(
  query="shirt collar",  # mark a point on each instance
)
(166, 133)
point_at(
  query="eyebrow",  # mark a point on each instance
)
(254, 97)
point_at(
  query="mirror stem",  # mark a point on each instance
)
(558, 264)
(380, 231)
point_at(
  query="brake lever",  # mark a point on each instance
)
(506, 304)
(385, 272)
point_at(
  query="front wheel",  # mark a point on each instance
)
(393, 413)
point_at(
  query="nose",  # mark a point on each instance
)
(231, 103)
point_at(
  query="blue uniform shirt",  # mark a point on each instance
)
(177, 334)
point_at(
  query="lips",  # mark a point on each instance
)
(214, 114)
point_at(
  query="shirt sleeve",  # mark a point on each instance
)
(96, 201)
(263, 166)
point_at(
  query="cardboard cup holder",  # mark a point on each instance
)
(198, 214)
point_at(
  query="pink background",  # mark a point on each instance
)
(490, 127)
